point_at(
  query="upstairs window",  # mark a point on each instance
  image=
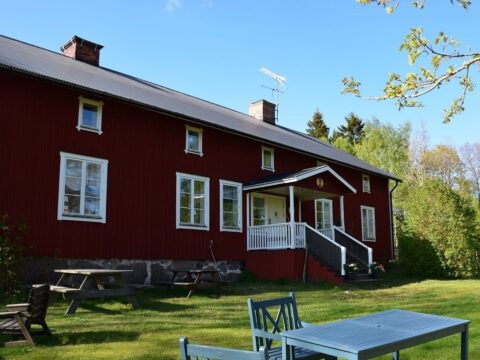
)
(193, 140)
(366, 183)
(192, 202)
(368, 223)
(268, 157)
(83, 188)
(230, 206)
(90, 115)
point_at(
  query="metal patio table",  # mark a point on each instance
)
(373, 335)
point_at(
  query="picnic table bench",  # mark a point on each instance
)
(94, 284)
(193, 279)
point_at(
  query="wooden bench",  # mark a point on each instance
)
(63, 289)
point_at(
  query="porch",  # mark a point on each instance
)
(269, 227)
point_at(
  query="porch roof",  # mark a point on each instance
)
(294, 177)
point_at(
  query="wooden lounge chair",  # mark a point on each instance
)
(20, 317)
(194, 351)
(268, 318)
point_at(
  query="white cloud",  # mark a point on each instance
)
(173, 5)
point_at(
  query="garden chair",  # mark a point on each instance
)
(268, 318)
(194, 351)
(20, 317)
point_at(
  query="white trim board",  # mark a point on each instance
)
(305, 175)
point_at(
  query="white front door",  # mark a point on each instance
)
(268, 209)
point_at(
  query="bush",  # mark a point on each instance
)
(11, 253)
(417, 257)
(443, 225)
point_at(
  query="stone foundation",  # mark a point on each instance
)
(145, 272)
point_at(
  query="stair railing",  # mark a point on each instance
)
(326, 250)
(356, 249)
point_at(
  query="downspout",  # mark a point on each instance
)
(392, 245)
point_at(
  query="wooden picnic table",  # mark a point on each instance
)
(194, 279)
(373, 335)
(94, 283)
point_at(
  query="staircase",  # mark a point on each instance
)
(335, 253)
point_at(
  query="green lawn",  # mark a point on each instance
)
(111, 330)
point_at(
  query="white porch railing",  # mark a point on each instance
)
(275, 236)
(326, 232)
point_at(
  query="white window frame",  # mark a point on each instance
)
(366, 183)
(99, 105)
(239, 206)
(272, 152)
(64, 156)
(199, 131)
(372, 210)
(206, 180)
(331, 211)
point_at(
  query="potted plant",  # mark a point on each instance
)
(351, 270)
(376, 269)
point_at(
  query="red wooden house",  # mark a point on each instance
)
(111, 170)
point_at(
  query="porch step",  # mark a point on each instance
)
(360, 278)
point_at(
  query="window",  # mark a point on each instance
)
(259, 211)
(192, 202)
(193, 140)
(323, 214)
(267, 158)
(90, 115)
(366, 183)
(82, 188)
(230, 206)
(368, 223)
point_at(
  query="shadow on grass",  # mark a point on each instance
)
(87, 337)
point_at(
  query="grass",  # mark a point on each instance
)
(107, 330)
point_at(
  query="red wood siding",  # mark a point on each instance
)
(145, 149)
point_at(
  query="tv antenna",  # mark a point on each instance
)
(281, 81)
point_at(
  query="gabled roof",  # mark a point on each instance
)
(293, 177)
(19, 56)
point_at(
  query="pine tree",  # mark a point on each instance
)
(317, 127)
(353, 131)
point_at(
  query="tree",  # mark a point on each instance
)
(386, 147)
(316, 126)
(443, 163)
(439, 215)
(353, 131)
(470, 154)
(447, 62)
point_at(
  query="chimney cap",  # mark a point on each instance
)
(81, 41)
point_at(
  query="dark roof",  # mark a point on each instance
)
(293, 177)
(30, 59)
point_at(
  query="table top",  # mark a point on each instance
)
(92, 271)
(193, 271)
(366, 333)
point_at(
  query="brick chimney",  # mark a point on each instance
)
(83, 50)
(262, 110)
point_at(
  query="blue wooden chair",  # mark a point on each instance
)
(194, 351)
(268, 318)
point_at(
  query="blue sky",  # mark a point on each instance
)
(213, 49)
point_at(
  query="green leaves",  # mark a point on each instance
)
(351, 86)
(442, 54)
